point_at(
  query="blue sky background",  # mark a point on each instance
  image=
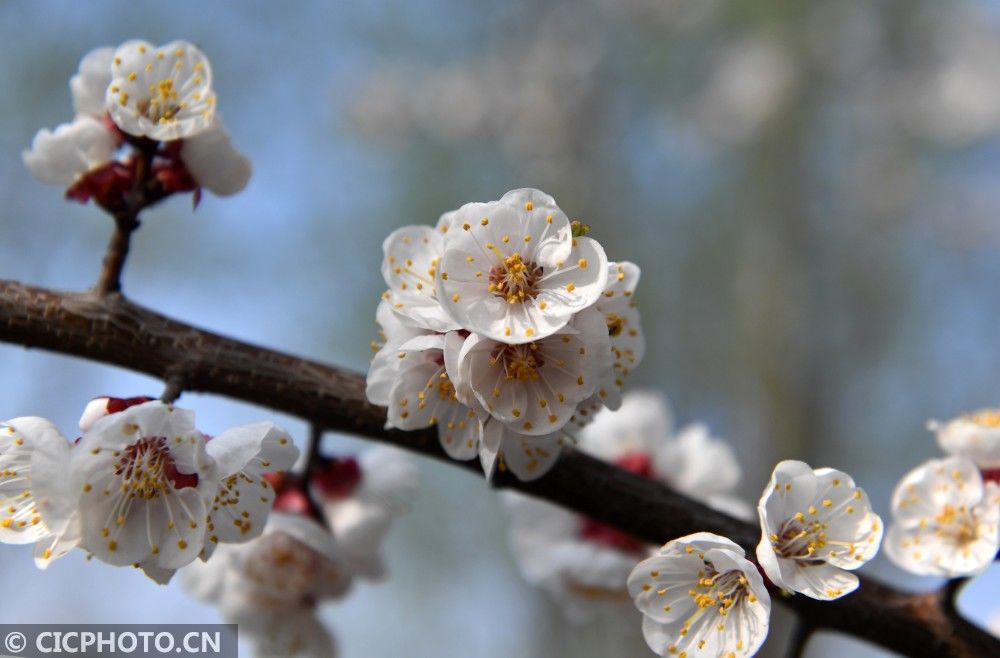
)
(818, 240)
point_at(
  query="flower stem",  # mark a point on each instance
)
(126, 221)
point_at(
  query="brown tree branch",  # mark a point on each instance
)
(115, 331)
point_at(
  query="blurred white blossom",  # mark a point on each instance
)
(975, 436)
(583, 564)
(946, 520)
(63, 156)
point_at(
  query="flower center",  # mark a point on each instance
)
(985, 418)
(957, 524)
(520, 362)
(799, 539)
(714, 589)
(162, 106)
(146, 470)
(514, 279)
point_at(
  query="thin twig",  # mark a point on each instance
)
(127, 221)
(314, 462)
(173, 389)
(110, 280)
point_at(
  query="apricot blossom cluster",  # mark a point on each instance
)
(501, 325)
(145, 117)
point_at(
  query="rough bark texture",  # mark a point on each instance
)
(113, 330)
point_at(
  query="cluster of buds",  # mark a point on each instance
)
(501, 325)
(146, 124)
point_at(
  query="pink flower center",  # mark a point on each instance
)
(339, 478)
(147, 469)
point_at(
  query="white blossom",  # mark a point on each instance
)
(700, 596)
(945, 520)
(162, 93)
(584, 576)
(422, 393)
(212, 161)
(145, 478)
(582, 563)
(244, 497)
(512, 271)
(89, 86)
(36, 504)
(62, 156)
(533, 388)
(147, 485)
(975, 436)
(816, 524)
(271, 586)
(287, 633)
(411, 256)
(690, 461)
(361, 521)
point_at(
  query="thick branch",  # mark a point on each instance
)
(115, 331)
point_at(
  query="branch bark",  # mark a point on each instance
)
(113, 330)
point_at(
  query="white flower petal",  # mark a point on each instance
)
(255, 448)
(527, 457)
(643, 423)
(390, 478)
(697, 463)
(28, 443)
(62, 156)
(946, 521)
(628, 343)
(360, 529)
(295, 633)
(90, 84)
(409, 266)
(212, 161)
(975, 436)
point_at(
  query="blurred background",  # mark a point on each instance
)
(809, 188)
